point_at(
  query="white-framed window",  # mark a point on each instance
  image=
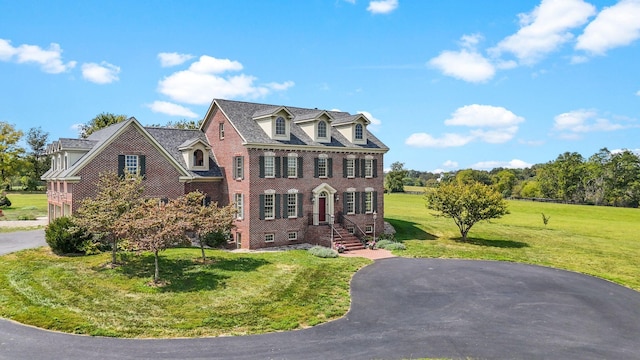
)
(350, 201)
(269, 206)
(368, 168)
(221, 130)
(238, 240)
(281, 127)
(292, 205)
(292, 235)
(322, 167)
(238, 199)
(198, 158)
(269, 238)
(53, 163)
(359, 132)
(238, 167)
(292, 166)
(131, 164)
(322, 130)
(368, 229)
(351, 168)
(269, 166)
(368, 202)
(66, 162)
(351, 229)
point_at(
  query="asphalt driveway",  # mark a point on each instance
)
(410, 308)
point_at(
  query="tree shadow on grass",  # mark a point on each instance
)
(510, 244)
(407, 230)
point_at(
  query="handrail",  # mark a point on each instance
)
(344, 218)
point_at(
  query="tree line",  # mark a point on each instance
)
(605, 178)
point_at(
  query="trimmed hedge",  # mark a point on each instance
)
(323, 252)
(64, 237)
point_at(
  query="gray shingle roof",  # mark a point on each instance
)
(241, 115)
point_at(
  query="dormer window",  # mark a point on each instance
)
(359, 132)
(281, 127)
(198, 158)
(322, 130)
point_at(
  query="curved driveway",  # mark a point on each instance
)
(410, 308)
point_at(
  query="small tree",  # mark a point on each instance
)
(466, 204)
(114, 198)
(101, 121)
(393, 179)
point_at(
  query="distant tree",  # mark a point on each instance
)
(469, 176)
(466, 204)
(504, 181)
(562, 178)
(101, 213)
(37, 141)
(530, 189)
(10, 152)
(184, 124)
(393, 179)
(101, 121)
(623, 179)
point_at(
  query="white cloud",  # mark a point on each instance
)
(50, 60)
(490, 124)
(544, 29)
(172, 109)
(103, 73)
(375, 122)
(615, 26)
(382, 6)
(77, 128)
(465, 65)
(513, 164)
(450, 164)
(173, 59)
(573, 123)
(204, 81)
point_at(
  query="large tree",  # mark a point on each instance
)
(10, 152)
(466, 204)
(37, 141)
(393, 179)
(101, 121)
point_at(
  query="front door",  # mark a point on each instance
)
(322, 207)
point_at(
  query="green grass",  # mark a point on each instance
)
(600, 241)
(235, 294)
(25, 205)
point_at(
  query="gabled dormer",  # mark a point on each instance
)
(196, 154)
(276, 122)
(354, 128)
(316, 124)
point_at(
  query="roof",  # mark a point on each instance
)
(241, 115)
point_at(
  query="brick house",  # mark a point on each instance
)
(291, 172)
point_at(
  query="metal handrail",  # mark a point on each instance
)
(343, 218)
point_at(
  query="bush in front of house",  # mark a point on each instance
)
(381, 244)
(215, 239)
(64, 237)
(395, 246)
(323, 252)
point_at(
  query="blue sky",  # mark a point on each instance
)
(447, 84)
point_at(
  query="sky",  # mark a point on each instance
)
(447, 85)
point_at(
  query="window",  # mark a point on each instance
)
(198, 158)
(322, 130)
(368, 202)
(351, 229)
(368, 168)
(66, 162)
(269, 238)
(359, 132)
(221, 130)
(350, 200)
(269, 206)
(292, 166)
(131, 164)
(322, 167)
(238, 199)
(368, 229)
(351, 168)
(293, 235)
(269, 166)
(292, 205)
(280, 126)
(53, 163)
(238, 240)
(238, 167)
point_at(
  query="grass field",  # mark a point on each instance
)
(600, 241)
(25, 206)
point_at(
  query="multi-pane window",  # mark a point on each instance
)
(280, 126)
(292, 205)
(269, 237)
(269, 166)
(368, 168)
(368, 202)
(368, 229)
(131, 164)
(238, 167)
(292, 166)
(238, 199)
(269, 206)
(351, 202)
(322, 167)
(351, 172)
(293, 235)
(221, 130)
(322, 130)
(359, 132)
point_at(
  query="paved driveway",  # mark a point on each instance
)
(14, 241)
(410, 308)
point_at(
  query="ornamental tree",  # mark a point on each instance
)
(466, 204)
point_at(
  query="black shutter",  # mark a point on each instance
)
(356, 201)
(285, 166)
(285, 206)
(344, 168)
(261, 163)
(315, 167)
(277, 205)
(356, 167)
(330, 167)
(143, 165)
(375, 201)
(121, 166)
(375, 167)
(363, 172)
(300, 205)
(300, 167)
(276, 164)
(364, 203)
(345, 205)
(262, 207)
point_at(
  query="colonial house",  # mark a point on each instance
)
(294, 174)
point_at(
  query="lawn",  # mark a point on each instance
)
(235, 294)
(600, 241)
(25, 206)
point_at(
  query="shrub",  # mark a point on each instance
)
(26, 217)
(64, 237)
(4, 200)
(396, 246)
(323, 252)
(215, 239)
(382, 244)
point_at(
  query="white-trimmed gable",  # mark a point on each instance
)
(317, 126)
(276, 124)
(196, 154)
(354, 129)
